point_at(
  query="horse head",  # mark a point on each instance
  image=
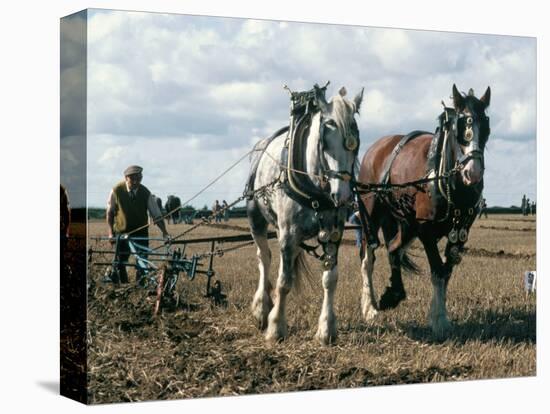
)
(471, 129)
(335, 152)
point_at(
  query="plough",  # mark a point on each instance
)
(159, 268)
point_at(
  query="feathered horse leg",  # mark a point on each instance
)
(262, 303)
(368, 300)
(440, 274)
(277, 324)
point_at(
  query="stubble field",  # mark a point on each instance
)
(198, 349)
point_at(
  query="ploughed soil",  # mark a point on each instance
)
(196, 348)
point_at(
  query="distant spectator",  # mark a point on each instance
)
(483, 207)
(532, 208)
(524, 205)
(173, 210)
(216, 212)
(225, 208)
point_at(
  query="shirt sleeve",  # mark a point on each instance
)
(111, 204)
(153, 207)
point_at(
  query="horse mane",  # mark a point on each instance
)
(343, 111)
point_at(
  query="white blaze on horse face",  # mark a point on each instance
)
(472, 173)
(338, 159)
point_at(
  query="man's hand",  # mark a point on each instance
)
(111, 239)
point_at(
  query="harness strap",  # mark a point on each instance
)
(476, 154)
(249, 187)
(297, 186)
(396, 150)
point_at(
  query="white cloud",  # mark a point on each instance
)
(111, 155)
(200, 85)
(378, 108)
(255, 33)
(506, 181)
(393, 48)
(522, 118)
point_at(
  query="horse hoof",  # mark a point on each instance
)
(276, 332)
(370, 313)
(391, 298)
(275, 337)
(261, 320)
(261, 306)
(441, 329)
(324, 338)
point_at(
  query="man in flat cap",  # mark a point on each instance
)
(127, 207)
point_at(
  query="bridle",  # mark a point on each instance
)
(308, 111)
(461, 126)
(350, 143)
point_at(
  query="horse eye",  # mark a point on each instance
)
(331, 123)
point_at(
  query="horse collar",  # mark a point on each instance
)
(297, 184)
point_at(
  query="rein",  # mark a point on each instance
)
(365, 188)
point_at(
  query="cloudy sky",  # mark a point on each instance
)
(187, 96)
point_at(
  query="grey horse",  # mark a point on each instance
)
(326, 146)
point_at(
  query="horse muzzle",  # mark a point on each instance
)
(342, 196)
(472, 172)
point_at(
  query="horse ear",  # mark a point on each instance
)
(458, 99)
(486, 98)
(342, 91)
(358, 99)
(320, 97)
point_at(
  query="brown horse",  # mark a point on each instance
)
(448, 170)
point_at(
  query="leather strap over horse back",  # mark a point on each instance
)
(249, 188)
(397, 149)
(298, 185)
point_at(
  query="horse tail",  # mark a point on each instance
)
(301, 270)
(408, 264)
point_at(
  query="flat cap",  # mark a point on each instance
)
(133, 169)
